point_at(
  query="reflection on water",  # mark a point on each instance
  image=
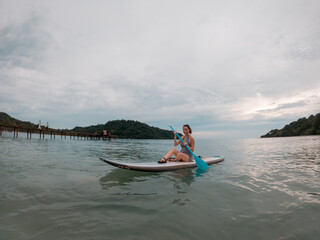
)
(121, 177)
(179, 180)
(185, 176)
(201, 173)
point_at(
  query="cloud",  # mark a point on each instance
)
(268, 108)
(22, 45)
(213, 63)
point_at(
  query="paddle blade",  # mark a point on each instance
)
(200, 163)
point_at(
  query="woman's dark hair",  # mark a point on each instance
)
(187, 125)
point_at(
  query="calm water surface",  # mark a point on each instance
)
(58, 189)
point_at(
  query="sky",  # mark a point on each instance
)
(227, 68)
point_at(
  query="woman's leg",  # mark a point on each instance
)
(172, 152)
(182, 157)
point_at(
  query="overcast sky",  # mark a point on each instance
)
(228, 68)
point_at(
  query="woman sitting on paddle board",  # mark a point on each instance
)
(184, 155)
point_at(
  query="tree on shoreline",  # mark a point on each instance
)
(301, 127)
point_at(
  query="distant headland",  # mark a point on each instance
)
(119, 128)
(301, 127)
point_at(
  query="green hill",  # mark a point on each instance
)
(128, 129)
(120, 128)
(302, 127)
(5, 119)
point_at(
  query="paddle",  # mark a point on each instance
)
(200, 163)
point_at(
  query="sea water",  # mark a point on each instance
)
(58, 189)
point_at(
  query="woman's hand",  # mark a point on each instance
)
(175, 133)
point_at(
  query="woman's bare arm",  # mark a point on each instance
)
(175, 142)
(192, 143)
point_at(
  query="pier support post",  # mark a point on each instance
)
(15, 132)
(29, 134)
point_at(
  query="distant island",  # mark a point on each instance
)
(127, 129)
(301, 127)
(118, 128)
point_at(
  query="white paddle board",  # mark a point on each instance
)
(159, 167)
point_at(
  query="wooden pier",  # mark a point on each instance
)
(53, 133)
